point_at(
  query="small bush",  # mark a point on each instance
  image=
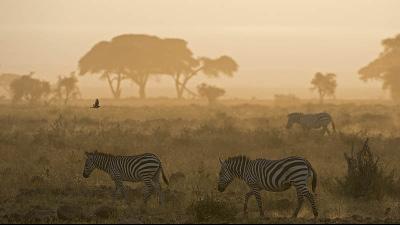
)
(211, 93)
(208, 209)
(365, 176)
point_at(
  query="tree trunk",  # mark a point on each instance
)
(117, 90)
(211, 101)
(181, 86)
(142, 85)
(321, 97)
(179, 91)
(178, 86)
(142, 91)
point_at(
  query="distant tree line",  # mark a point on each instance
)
(27, 88)
(137, 57)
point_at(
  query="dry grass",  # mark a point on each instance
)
(42, 160)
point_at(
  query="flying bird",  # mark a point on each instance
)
(96, 104)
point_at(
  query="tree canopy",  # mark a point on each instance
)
(7, 78)
(223, 65)
(386, 67)
(29, 89)
(325, 85)
(136, 57)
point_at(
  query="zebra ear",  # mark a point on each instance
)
(220, 161)
(87, 154)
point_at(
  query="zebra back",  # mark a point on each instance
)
(310, 120)
(135, 168)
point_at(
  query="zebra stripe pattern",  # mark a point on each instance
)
(311, 121)
(144, 168)
(270, 175)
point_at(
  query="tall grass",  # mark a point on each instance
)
(43, 149)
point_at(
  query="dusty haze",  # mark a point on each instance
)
(279, 45)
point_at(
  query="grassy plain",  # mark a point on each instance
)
(42, 157)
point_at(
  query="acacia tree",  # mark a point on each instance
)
(141, 56)
(325, 85)
(212, 93)
(386, 67)
(223, 65)
(134, 57)
(29, 89)
(67, 88)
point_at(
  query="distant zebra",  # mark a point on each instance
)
(311, 121)
(270, 175)
(140, 168)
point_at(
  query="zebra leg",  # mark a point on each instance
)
(259, 202)
(148, 190)
(326, 130)
(300, 201)
(246, 200)
(158, 191)
(311, 199)
(119, 188)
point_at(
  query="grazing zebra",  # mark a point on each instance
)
(145, 168)
(311, 121)
(270, 175)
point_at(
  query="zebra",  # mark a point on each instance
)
(311, 121)
(270, 175)
(144, 168)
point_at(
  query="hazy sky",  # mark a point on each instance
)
(276, 43)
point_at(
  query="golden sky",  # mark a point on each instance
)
(278, 44)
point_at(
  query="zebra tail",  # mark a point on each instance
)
(163, 176)
(314, 174)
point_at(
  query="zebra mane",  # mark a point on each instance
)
(100, 154)
(295, 114)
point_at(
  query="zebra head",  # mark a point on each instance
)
(225, 176)
(89, 165)
(293, 118)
